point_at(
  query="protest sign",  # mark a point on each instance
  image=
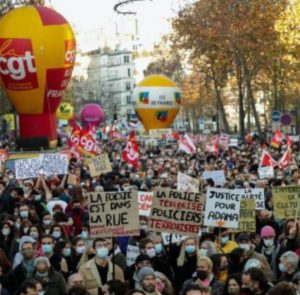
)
(187, 183)
(222, 207)
(158, 133)
(28, 168)
(266, 172)
(113, 214)
(176, 212)
(217, 176)
(247, 216)
(234, 142)
(285, 201)
(54, 164)
(171, 238)
(131, 254)
(145, 203)
(99, 165)
(72, 179)
(253, 193)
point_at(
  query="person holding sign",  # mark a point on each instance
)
(99, 270)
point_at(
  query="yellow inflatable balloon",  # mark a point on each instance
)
(65, 111)
(156, 100)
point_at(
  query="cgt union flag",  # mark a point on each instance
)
(131, 152)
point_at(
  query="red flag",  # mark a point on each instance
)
(171, 136)
(276, 139)
(186, 144)
(131, 152)
(267, 160)
(285, 159)
(87, 144)
(289, 140)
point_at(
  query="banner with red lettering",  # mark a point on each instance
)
(145, 203)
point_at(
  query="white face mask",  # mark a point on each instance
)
(151, 252)
(268, 242)
(246, 247)
(203, 252)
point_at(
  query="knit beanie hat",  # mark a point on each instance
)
(144, 272)
(267, 231)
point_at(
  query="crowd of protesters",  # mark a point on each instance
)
(45, 244)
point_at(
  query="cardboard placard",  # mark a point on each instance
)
(218, 176)
(253, 193)
(222, 208)
(266, 172)
(145, 202)
(113, 214)
(99, 165)
(247, 216)
(176, 212)
(186, 183)
(72, 179)
(286, 201)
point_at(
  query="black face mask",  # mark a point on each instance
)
(202, 274)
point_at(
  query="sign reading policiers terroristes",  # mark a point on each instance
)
(286, 201)
(113, 214)
(176, 212)
(222, 207)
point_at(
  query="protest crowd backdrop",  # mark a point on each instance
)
(112, 213)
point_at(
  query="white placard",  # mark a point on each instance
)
(187, 183)
(218, 176)
(222, 208)
(132, 253)
(145, 202)
(266, 172)
(253, 193)
(234, 142)
(175, 238)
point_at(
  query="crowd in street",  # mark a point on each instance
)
(45, 244)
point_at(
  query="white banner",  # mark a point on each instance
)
(222, 208)
(253, 193)
(218, 176)
(266, 172)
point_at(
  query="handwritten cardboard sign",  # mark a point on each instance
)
(187, 183)
(113, 214)
(247, 216)
(176, 212)
(222, 207)
(253, 193)
(99, 165)
(145, 203)
(286, 201)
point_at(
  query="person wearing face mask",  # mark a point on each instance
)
(77, 213)
(186, 262)
(52, 281)
(154, 250)
(288, 266)
(99, 270)
(58, 233)
(233, 285)
(163, 284)
(223, 241)
(208, 248)
(57, 261)
(204, 277)
(244, 241)
(115, 254)
(24, 265)
(6, 237)
(77, 250)
(268, 247)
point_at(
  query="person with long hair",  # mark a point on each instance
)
(233, 285)
(163, 284)
(186, 262)
(6, 236)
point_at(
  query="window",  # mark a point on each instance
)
(126, 59)
(128, 99)
(128, 72)
(128, 86)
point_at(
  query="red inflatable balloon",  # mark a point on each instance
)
(91, 115)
